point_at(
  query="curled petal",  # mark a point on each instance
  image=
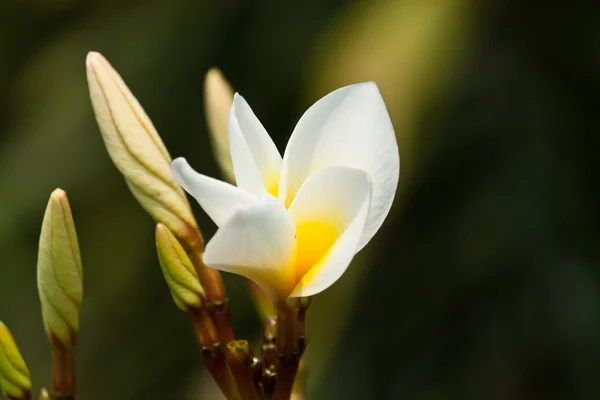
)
(59, 271)
(218, 199)
(256, 160)
(349, 126)
(257, 242)
(330, 212)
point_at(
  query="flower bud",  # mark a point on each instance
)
(137, 150)
(59, 273)
(178, 270)
(14, 375)
(44, 395)
(218, 97)
(239, 360)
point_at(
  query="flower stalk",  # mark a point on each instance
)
(63, 370)
(287, 346)
(216, 298)
(269, 353)
(239, 359)
(213, 355)
(138, 152)
(188, 294)
(60, 287)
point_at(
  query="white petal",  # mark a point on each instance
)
(256, 160)
(257, 242)
(332, 204)
(218, 199)
(349, 126)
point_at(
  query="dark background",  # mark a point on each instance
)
(483, 282)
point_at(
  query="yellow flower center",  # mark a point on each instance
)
(273, 189)
(313, 239)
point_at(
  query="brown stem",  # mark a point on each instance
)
(256, 369)
(239, 360)
(268, 381)
(287, 349)
(269, 352)
(221, 316)
(286, 374)
(26, 396)
(63, 369)
(287, 330)
(212, 351)
(212, 283)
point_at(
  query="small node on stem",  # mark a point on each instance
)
(268, 380)
(239, 359)
(44, 395)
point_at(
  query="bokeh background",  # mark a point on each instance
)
(482, 284)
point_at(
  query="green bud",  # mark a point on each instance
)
(59, 272)
(14, 375)
(218, 98)
(44, 395)
(178, 270)
(137, 150)
(239, 350)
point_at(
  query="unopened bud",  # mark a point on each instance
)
(137, 150)
(59, 272)
(178, 270)
(218, 98)
(14, 375)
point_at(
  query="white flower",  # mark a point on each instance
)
(293, 225)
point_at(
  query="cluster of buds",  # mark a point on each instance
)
(60, 287)
(140, 155)
(291, 226)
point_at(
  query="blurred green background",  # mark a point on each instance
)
(482, 284)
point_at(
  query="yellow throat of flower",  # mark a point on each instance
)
(314, 240)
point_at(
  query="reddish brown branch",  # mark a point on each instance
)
(240, 360)
(216, 298)
(212, 351)
(288, 357)
(63, 369)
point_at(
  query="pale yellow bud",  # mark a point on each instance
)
(44, 395)
(14, 375)
(137, 150)
(59, 272)
(218, 97)
(178, 270)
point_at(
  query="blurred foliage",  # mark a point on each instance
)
(482, 285)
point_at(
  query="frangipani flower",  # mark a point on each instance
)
(293, 224)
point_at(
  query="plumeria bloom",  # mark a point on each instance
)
(293, 224)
